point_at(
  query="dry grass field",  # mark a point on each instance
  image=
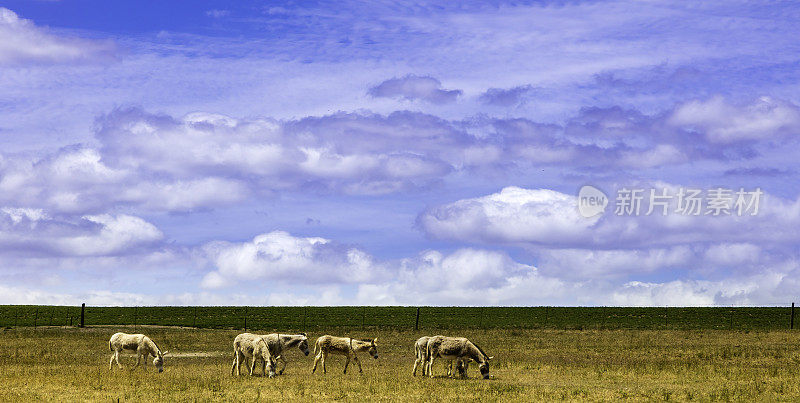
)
(72, 364)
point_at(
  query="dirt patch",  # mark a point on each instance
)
(201, 354)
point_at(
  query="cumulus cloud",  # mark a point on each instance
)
(204, 160)
(723, 123)
(542, 217)
(278, 257)
(512, 215)
(32, 232)
(747, 256)
(465, 276)
(413, 87)
(23, 42)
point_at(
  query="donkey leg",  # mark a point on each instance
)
(253, 365)
(355, 358)
(324, 368)
(430, 367)
(346, 363)
(316, 360)
(138, 360)
(416, 363)
(283, 361)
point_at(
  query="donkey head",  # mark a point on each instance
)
(158, 362)
(303, 345)
(484, 367)
(373, 348)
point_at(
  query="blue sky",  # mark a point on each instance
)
(208, 152)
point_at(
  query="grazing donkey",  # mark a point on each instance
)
(138, 343)
(278, 344)
(246, 346)
(457, 349)
(346, 346)
(421, 353)
(267, 348)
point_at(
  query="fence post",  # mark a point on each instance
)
(416, 323)
(791, 321)
(545, 316)
(83, 309)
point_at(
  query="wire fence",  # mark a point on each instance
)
(405, 318)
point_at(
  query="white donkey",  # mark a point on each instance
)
(138, 343)
(457, 349)
(421, 354)
(346, 346)
(265, 348)
(278, 344)
(421, 361)
(246, 346)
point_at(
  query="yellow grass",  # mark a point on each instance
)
(72, 364)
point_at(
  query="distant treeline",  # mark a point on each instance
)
(314, 317)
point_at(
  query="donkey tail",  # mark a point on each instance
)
(109, 346)
(316, 346)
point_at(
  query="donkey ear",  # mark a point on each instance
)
(165, 352)
(490, 358)
(375, 340)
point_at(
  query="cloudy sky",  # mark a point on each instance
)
(378, 153)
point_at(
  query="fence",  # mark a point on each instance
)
(354, 317)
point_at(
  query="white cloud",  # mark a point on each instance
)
(278, 257)
(512, 215)
(722, 122)
(34, 232)
(117, 234)
(23, 42)
(543, 217)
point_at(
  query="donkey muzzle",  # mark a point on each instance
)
(305, 352)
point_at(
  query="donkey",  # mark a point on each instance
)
(138, 343)
(457, 349)
(346, 346)
(278, 344)
(421, 353)
(245, 347)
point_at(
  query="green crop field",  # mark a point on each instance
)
(70, 364)
(404, 318)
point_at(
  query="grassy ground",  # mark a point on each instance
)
(72, 364)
